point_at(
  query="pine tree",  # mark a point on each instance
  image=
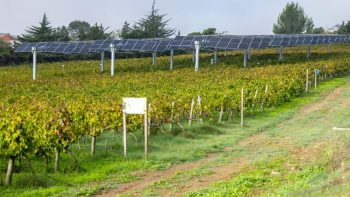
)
(41, 33)
(154, 25)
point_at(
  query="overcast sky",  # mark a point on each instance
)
(238, 17)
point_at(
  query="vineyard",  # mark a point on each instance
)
(71, 101)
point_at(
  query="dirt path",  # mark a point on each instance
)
(225, 171)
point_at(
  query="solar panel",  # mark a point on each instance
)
(276, 41)
(139, 45)
(307, 40)
(347, 37)
(213, 42)
(105, 45)
(314, 39)
(163, 45)
(256, 42)
(293, 41)
(223, 43)
(52, 47)
(129, 45)
(70, 48)
(22, 47)
(285, 41)
(300, 40)
(326, 39)
(149, 45)
(245, 43)
(61, 48)
(85, 49)
(234, 43)
(265, 42)
(320, 40)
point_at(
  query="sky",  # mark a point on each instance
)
(238, 17)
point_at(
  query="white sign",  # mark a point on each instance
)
(135, 105)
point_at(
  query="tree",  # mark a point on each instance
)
(77, 27)
(343, 28)
(98, 32)
(152, 26)
(209, 31)
(5, 52)
(126, 31)
(61, 33)
(293, 20)
(319, 30)
(41, 33)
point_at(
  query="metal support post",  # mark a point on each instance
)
(112, 47)
(245, 58)
(215, 56)
(171, 59)
(102, 61)
(154, 62)
(249, 53)
(281, 53)
(330, 48)
(197, 46)
(225, 54)
(34, 51)
(194, 56)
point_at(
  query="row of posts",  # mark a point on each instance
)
(195, 57)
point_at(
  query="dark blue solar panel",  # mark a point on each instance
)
(285, 41)
(86, 47)
(326, 39)
(149, 45)
(276, 41)
(307, 40)
(22, 47)
(256, 42)
(187, 41)
(245, 43)
(293, 41)
(61, 48)
(347, 37)
(70, 48)
(78, 47)
(265, 42)
(105, 45)
(235, 42)
(177, 41)
(213, 42)
(52, 47)
(320, 40)
(314, 39)
(162, 45)
(332, 38)
(223, 43)
(139, 45)
(129, 45)
(300, 40)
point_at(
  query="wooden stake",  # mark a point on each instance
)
(172, 117)
(315, 80)
(146, 133)
(191, 113)
(307, 80)
(124, 133)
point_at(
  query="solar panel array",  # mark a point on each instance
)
(226, 42)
